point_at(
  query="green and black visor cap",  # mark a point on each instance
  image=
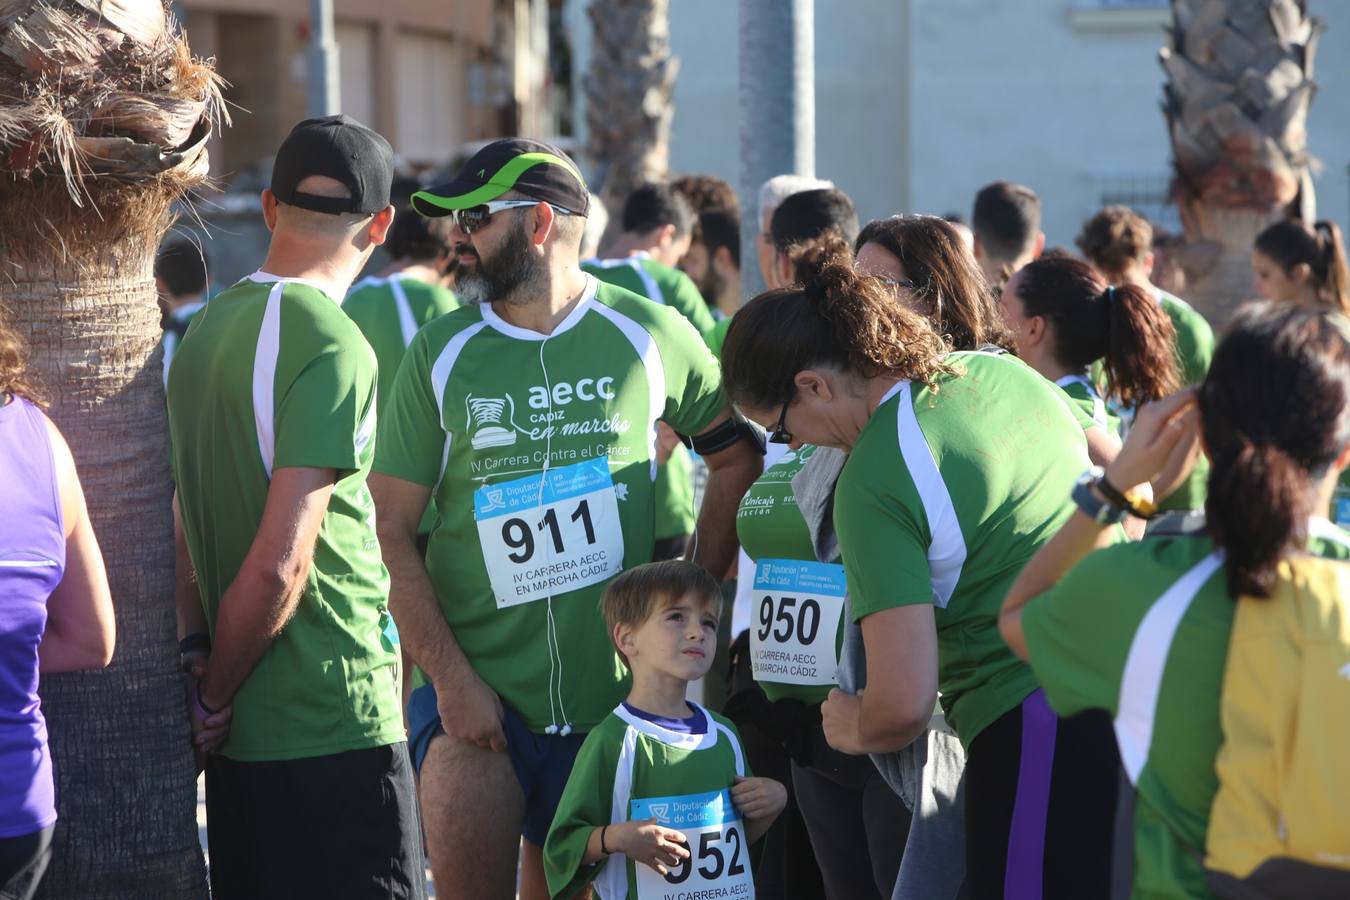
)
(537, 170)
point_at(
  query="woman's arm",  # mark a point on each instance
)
(902, 665)
(80, 627)
(1162, 432)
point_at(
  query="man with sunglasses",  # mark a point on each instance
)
(530, 417)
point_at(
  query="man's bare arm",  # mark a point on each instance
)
(264, 595)
(470, 710)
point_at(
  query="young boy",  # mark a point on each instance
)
(659, 803)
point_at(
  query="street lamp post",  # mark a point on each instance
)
(324, 96)
(778, 108)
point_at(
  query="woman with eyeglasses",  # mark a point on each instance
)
(1144, 631)
(959, 469)
(857, 824)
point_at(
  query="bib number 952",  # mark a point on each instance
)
(718, 853)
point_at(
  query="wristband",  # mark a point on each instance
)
(603, 849)
(201, 706)
(198, 640)
(1103, 512)
(1137, 506)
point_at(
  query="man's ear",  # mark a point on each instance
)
(723, 263)
(1040, 245)
(380, 224)
(544, 220)
(269, 209)
(1149, 260)
(978, 249)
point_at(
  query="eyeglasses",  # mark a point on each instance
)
(476, 217)
(780, 434)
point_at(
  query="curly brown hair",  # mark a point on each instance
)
(15, 379)
(837, 318)
(1114, 238)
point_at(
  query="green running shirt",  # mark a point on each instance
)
(644, 276)
(272, 374)
(772, 531)
(1141, 630)
(477, 407)
(389, 312)
(948, 492)
(1084, 395)
(629, 768)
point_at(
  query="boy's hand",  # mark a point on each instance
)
(758, 798)
(644, 841)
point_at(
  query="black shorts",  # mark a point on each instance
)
(1040, 805)
(344, 825)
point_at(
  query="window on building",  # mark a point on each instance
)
(356, 71)
(431, 108)
(1148, 194)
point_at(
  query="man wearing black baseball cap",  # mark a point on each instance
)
(284, 624)
(539, 401)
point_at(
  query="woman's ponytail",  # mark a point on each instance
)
(1124, 326)
(1274, 418)
(1140, 359)
(1336, 277)
(1257, 511)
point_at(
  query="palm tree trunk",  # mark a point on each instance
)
(628, 98)
(90, 163)
(125, 776)
(778, 108)
(1236, 100)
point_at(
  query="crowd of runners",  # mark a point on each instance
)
(950, 566)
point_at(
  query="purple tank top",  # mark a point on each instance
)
(32, 559)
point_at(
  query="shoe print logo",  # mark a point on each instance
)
(491, 421)
(661, 811)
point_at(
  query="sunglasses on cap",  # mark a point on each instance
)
(476, 217)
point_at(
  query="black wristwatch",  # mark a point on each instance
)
(196, 642)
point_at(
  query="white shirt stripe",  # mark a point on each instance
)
(947, 546)
(264, 376)
(406, 323)
(1141, 680)
(650, 354)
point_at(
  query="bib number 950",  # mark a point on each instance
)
(799, 606)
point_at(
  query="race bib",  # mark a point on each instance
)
(797, 609)
(1340, 506)
(719, 855)
(547, 534)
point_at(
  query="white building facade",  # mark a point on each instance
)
(921, 102)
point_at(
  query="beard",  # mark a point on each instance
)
(509, 274)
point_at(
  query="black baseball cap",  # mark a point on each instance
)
(342, 149)
(537, 170)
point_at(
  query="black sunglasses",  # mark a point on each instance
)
(780, 434)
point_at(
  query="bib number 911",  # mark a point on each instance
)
(799, 606)
(547, 534)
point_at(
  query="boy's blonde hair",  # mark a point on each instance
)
(643, 591)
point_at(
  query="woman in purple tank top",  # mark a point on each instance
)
(55, 611)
